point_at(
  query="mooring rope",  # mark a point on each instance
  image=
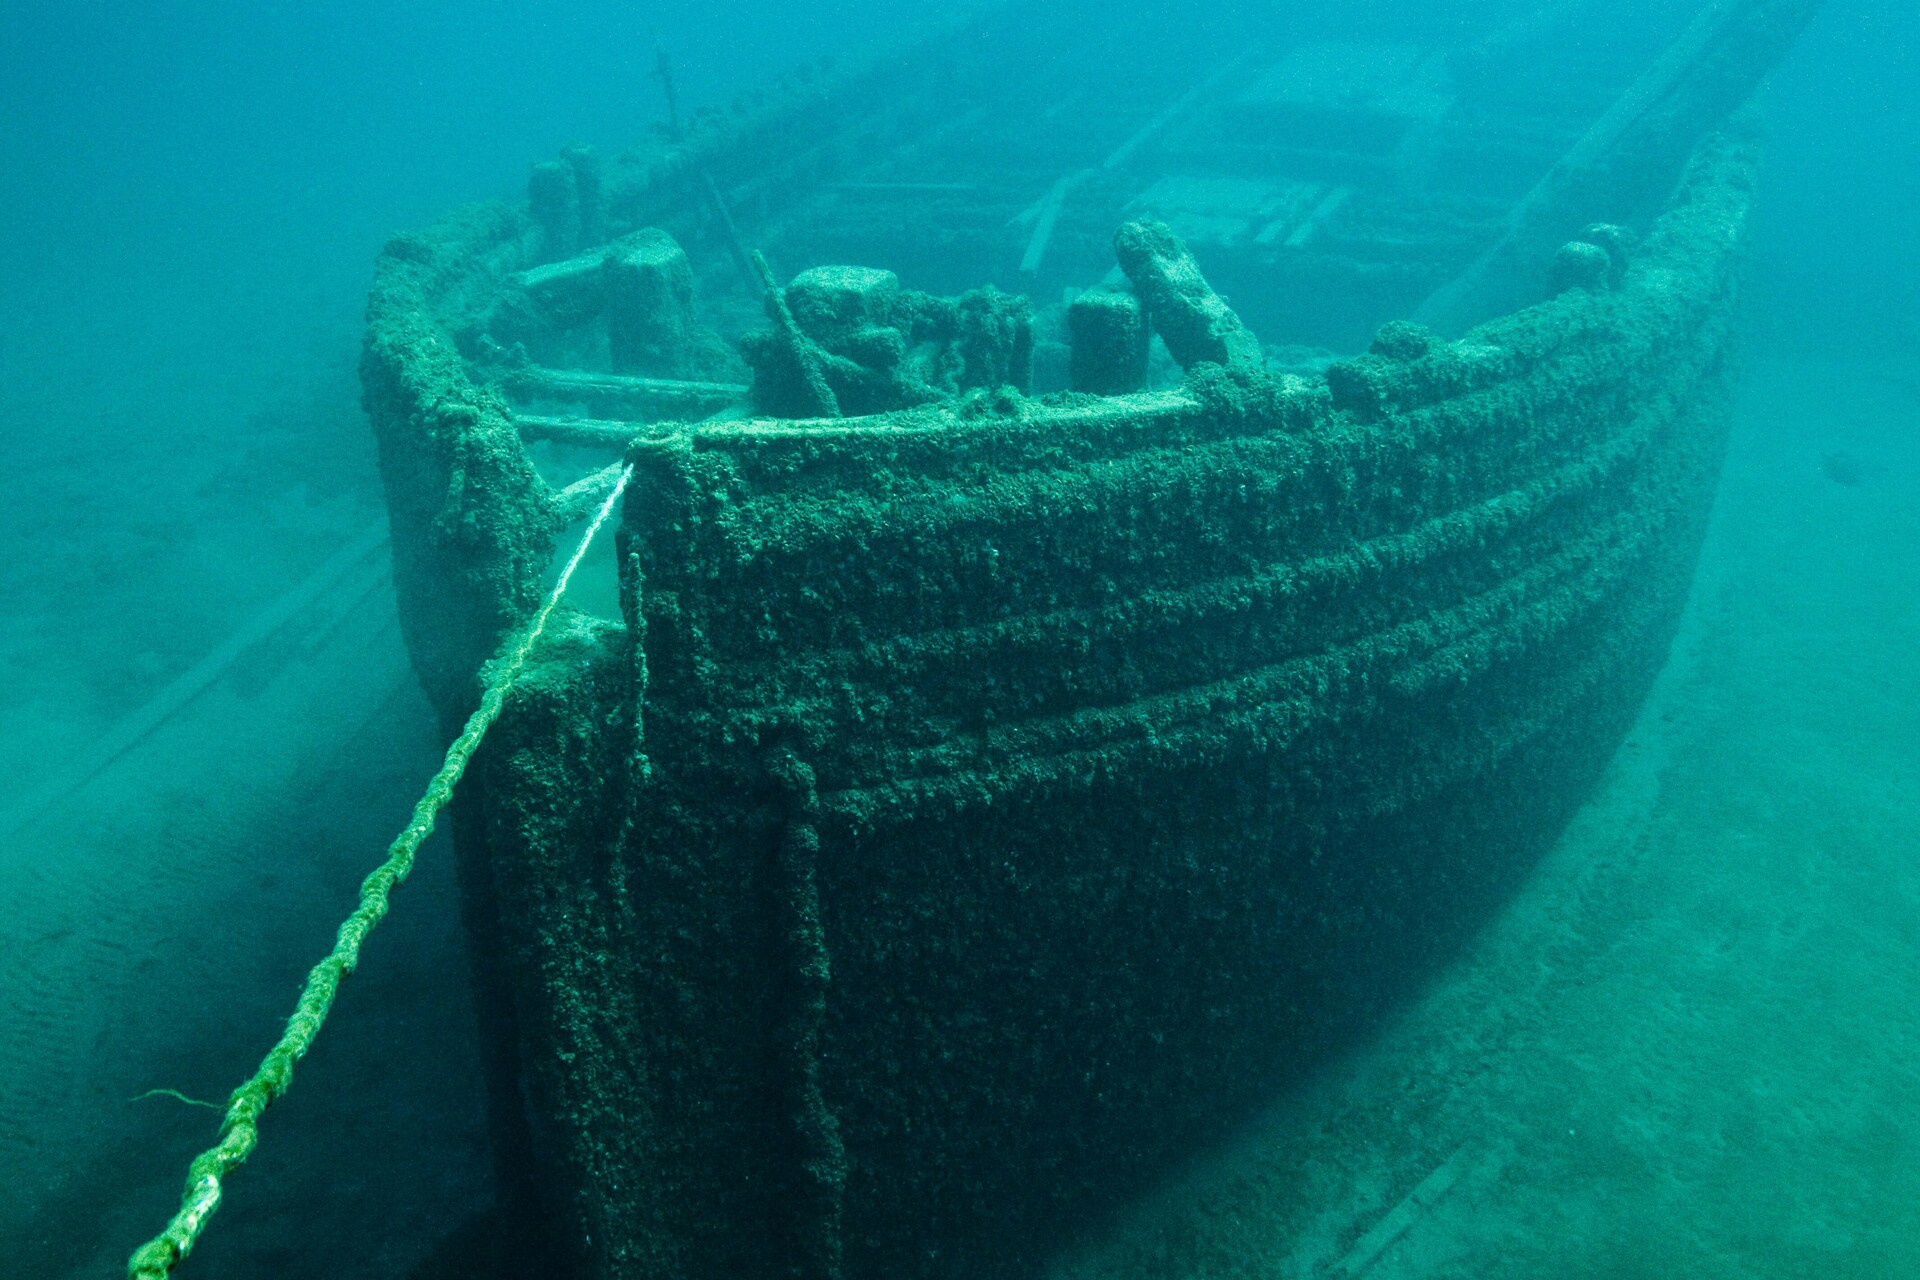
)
(239, 1131)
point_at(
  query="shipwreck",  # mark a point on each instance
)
(1169, 546)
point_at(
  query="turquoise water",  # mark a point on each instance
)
(1707, 986)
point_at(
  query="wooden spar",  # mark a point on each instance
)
(1704, 75)
(728, 232)
(825, 403)
(663, 72)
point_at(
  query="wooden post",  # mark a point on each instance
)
(1195, 322)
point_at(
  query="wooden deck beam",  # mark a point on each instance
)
(623, 394)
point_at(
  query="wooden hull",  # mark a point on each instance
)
(980, 806)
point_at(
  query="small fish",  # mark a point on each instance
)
(1840, 467)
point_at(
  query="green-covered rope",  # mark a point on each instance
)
(239, 1131)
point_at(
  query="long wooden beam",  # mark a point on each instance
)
(591, 433)
(624, 395)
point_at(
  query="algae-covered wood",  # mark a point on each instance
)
(981, 803)
(976, 802)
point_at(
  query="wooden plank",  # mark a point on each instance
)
(132, 728)
(625, 394)
(1385, 1233)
